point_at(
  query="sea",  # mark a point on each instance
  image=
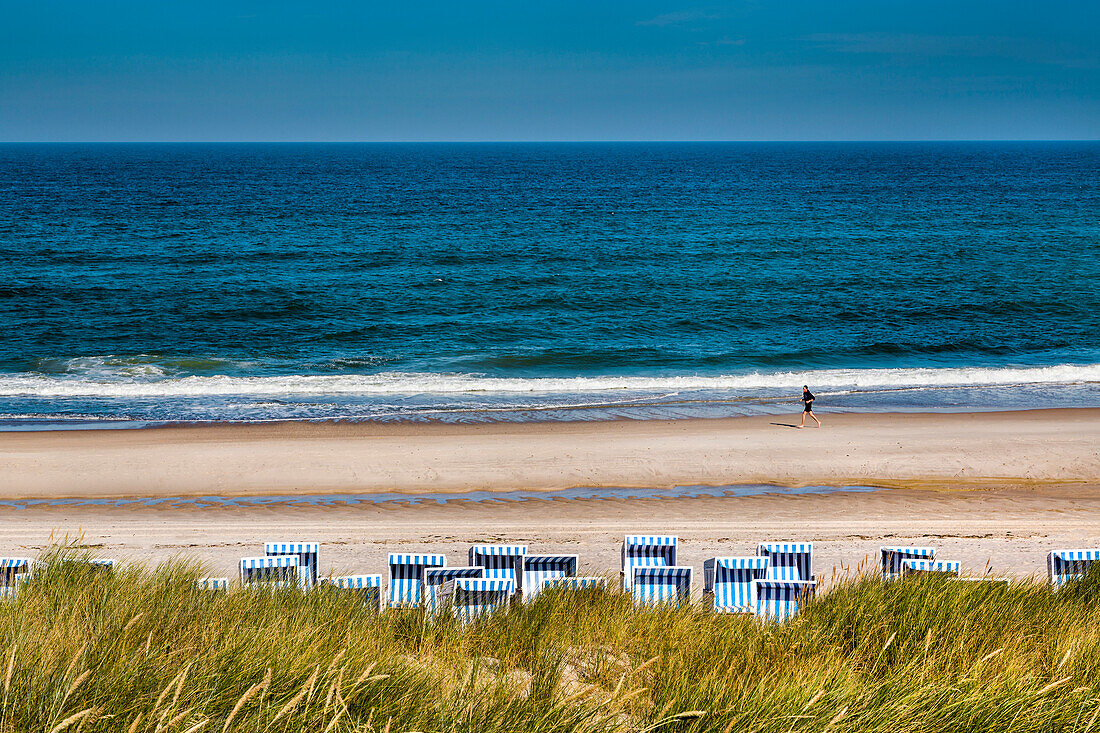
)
(145, 284)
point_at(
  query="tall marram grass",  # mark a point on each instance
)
(141, 650)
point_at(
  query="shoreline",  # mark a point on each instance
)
(890, 450)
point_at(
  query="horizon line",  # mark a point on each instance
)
(547, 141)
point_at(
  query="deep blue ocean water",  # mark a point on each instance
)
(544, 281)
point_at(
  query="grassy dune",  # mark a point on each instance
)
(142, 650)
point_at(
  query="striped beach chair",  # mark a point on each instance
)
(728, 582)
(575, 583)
(538, 569)
(1066, 565)
(212, 583)
(434, 579)
(893, 556)
(306, 552)
(14, 570)
(788, 560)
(369, 587)
(652, 586)
(647, 551)
(504, 561)
(472, 598)
(779, 600)
(280, 571)
(406, 574)
(912, 566)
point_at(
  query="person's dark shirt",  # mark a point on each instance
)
(807, 397)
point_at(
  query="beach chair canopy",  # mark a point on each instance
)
(473, 598)
(655, 585)
(892, 557)
(537, 569)
(13, 569)
(646, 551)
(406, 574)
(912, 566)
(435, 578)
(779, 600)
(729, 581)
(788, 560)
(271, 569)
(306, 552)
(1066, 565)
(507, 559)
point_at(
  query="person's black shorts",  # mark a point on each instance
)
(809, 408)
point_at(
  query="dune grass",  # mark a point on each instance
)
(143, 650)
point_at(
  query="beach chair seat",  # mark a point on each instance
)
(537, 569)
(779, 600)
(646, 551)
(788, 560)
(470, 599)
(1066, 565)
(306, 552)
(435, 578)
(212, 583)
(728, 582)
(652, 586)
(911, 566)
(501, 561)
(406, 575)
(369, 587)
(892, 558)
(575, 583)
(275, 571)
(14, 570)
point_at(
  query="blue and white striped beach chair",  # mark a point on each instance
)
(367, 586)
(280, 571)
(575, 583)
(538, 569)
(406, 574)
(728, 580)
(779, 600)
(893, 556)
(212, 583)
(434, 578)
(14, 570)
(472, 598)
(504, 561)
(911, 566)
(648, 551)
(652, 586)
(788, 560)
(306, 552)
(1066, 565)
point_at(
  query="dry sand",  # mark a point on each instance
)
(999, 488)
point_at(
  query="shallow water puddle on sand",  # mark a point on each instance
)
(482, 497)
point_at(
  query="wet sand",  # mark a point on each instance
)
(1009, 530)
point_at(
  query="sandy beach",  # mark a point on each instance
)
(993, 490)
(931, 450)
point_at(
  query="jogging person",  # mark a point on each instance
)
(808, 400)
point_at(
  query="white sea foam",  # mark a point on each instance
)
(126, 384)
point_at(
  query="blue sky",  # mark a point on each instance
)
(628, 70)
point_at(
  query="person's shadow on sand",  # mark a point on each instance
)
(785, 424)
